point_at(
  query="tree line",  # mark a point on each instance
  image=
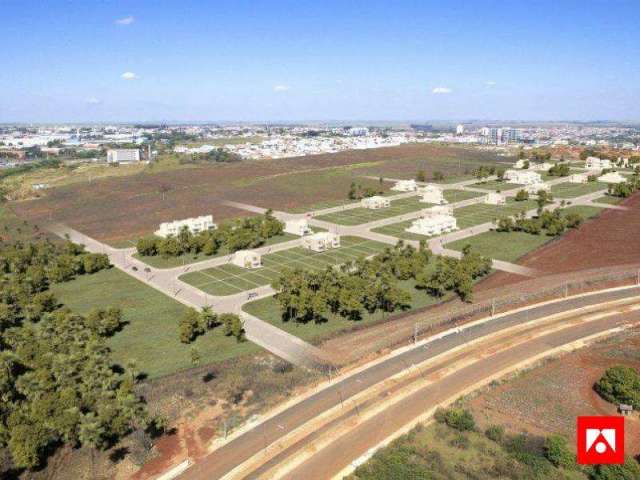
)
(371, 285)
(195, 323)
(58, 384)
(230, 236)
(554, 223)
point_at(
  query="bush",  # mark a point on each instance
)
(620, 384)
(521, 196)
(629, 471)
(495, 433)
(557, 452)
(457, 418)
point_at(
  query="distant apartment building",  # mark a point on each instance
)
(460, 129)
(194, 225)
(500, 135)
(123, 155)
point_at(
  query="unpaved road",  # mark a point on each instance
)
(253, 441)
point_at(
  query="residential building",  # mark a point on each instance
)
(375, 202)
(433, 225)
(194, 225)
(522, 177)
(579, 178)
(405, 186)
(123, 155)
(460, 130)
(595, 163)
(298, 227)
(612, 177)
(321, 241)
(534, 188)
(495, 198)
(520, 163)
(540, 167)
(432, 194)
(247, 259)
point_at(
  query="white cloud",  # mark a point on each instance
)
(128, 20)
(441, 90)
(129, 76)
(490, 83)
(281, 88)
(93, 101)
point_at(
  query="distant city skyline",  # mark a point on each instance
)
(319, 61)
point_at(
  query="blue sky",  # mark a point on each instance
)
(320, 60)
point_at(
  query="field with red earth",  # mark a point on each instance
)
(608, 240)
(547, 398)
(121, 208)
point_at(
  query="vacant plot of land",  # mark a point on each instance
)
(150, 337)
(507, 246)
(116, 209)
(495, 185)
(571, 190)
(398, 230)
(587, 211)
(357, 216)
(610, 199)
(229, 279)
(159, 262)
(267, 309)
(482, 213)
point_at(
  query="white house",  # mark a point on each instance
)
(612, 177)
(433, 225)
(534, 188)
(123, 155)
(321, 241)
(579, 178)
(247, 259)
(520, 164)
(540, 167)
(432, 194)
(495, 198)
(298, 227)
(194, 225)
(405, 186)
(595, 163)
(375, 202)
(522, 177)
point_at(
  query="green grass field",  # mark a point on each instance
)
(611, 200)
(268, 310)
(151, 334)
(495, 185)
(587, 211)
(229, 279)
(158, 262)
(571, 190)
(482, 213)
(506, 246)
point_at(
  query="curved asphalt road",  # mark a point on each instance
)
(238, 450)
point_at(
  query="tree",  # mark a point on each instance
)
(195, 356)
(438, 176)
(353, 191)
(457, 418)
(522, 196)
(190, 326)
(421, 176)
(233, 326)
(630, 470)
(557, 452)
(620, 384)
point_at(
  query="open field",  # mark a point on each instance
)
(571, 190)
(229, 279)
(150, 337)
(124, 208)
(547, 399)
(358, 216)
(496, 185)
(507, 246)
(267, 309)
(480, 213)
(158, 261)
(609, 199)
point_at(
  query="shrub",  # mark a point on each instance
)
(457, 418)
(620, 384)
(495, 433)
(557, 452)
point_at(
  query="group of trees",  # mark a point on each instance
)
(231, 236)
(483, 172)
(560, 170)
(194, 323)
(552, 222)
(357, 191)
(217, 155)
(57, 381)
(620, 384)
(370, 285)
(421, 176)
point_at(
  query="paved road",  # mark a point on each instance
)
(227, 457)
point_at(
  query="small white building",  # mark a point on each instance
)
(522, 177)
(540, 167)
(405, 186)
(375, 202)
(123, 155)
(432, 194)
(612, 177)
(247, 259)
(298, 227)
(495, 198)
(433, 225)
(595, 163)
(194, 225)
(579, 178)
(534, 188)
(321, 241)
(520, 163)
